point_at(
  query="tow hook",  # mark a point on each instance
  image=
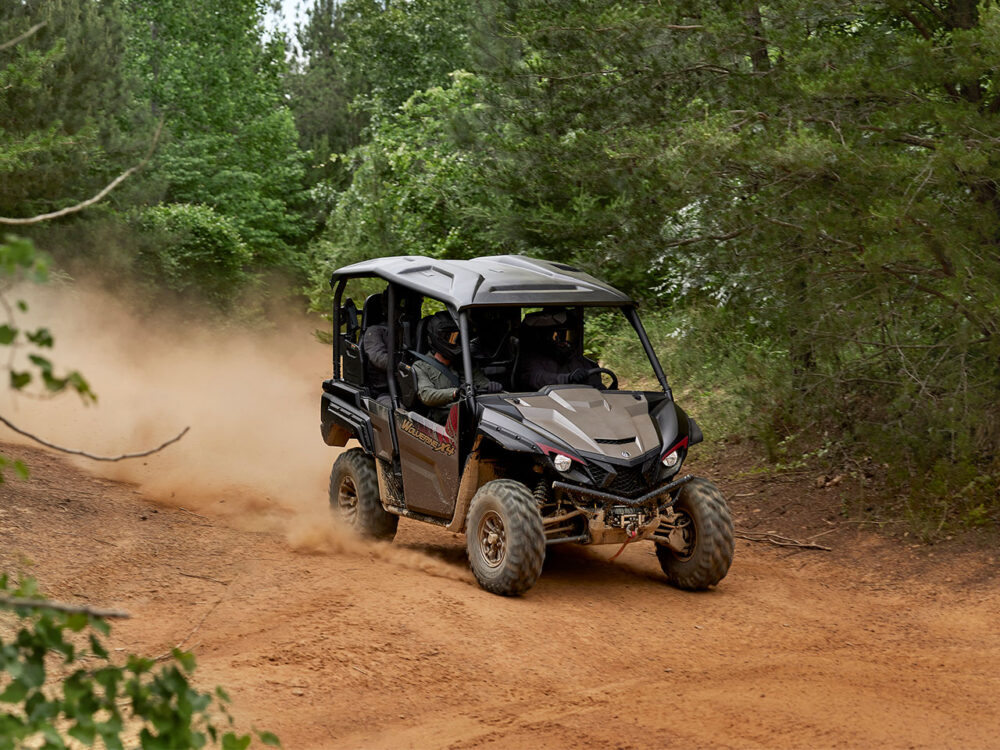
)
(632, 530)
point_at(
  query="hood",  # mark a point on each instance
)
(606, 423)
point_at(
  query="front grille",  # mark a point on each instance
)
(628, 481)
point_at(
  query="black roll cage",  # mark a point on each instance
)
(630, 312)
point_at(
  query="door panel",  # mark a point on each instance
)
(380, 414)
(429, 458)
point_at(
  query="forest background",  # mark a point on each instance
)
(802, 195)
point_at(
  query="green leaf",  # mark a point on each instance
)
(231, 741)
(269, 738)
(41, 362)
(186, 659)
(34, 673)
(77, 621)
(97, 647)
(21, 469)
(16, 692)
(7, 335)
(19, 379)
(84, 733)
(42, 337)
(53, 740)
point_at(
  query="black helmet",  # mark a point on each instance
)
(554, 327)
(442, 334)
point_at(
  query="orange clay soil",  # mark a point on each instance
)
(335, 643)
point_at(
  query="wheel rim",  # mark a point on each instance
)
(492, 538)
(687, 536)
(347, 499)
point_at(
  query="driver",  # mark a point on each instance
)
(551, 351)
(438, 384)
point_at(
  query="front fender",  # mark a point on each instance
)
(508, 433)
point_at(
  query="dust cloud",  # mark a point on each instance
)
(254, 454)
(323, 538)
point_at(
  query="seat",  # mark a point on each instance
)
(351, 367)
(406, 380)
(421, 344)
(373, 314)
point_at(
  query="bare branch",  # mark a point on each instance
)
(93, 199)
(91, 456)
(988, 327)
(884, 345)
(25, 35)
(821, 233)
(777, 540)
(72, 609)
(707, 238)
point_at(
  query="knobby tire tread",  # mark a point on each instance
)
(372, 519)
(525, 537)
(716, 544)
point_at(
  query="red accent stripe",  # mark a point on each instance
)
(547, 449)
(683, 443)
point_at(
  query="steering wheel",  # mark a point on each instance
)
(606, 371)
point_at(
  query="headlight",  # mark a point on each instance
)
(673, 456)
(562, 462)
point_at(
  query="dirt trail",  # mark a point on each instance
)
(343, 644)
(223, 544)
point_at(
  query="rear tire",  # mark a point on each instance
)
(354, 496)
(505, 538)
(708, 535)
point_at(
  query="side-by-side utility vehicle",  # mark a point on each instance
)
(531, 464)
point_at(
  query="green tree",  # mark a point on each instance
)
(66, 103)
(322, 89)
(820, 178)
(358, 62)
(232, 143)
(188, 246)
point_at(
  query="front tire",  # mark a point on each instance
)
(354, 496)
(705, 533)
(505, 538)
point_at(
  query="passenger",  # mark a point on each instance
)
(438, 384)
(551, 351)
(375, 345)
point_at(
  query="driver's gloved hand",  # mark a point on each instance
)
(494, 387)
(579, 375)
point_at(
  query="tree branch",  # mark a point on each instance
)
(91, 456)
(706, 238)
(25, 35)
(73, 609)
(93, 199)
(777, 540)
(985, 326)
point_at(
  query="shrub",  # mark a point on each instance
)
(58, 683)
(191, 247)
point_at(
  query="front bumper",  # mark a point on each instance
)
(615, 519)
(613, 499)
